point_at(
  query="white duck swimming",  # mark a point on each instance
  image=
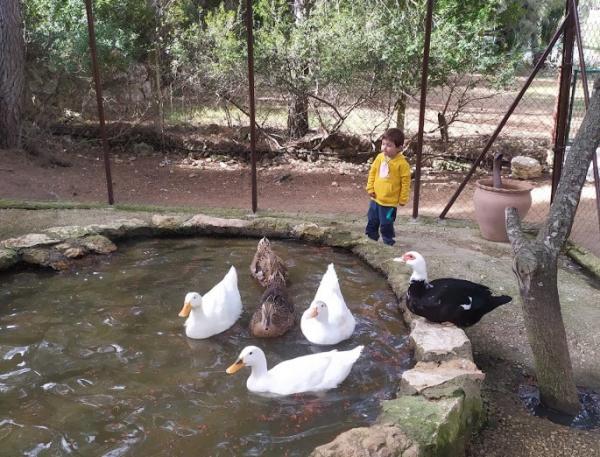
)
(308, 373)
(328, 320)
(214, 312)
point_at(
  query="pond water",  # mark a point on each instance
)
(96, 362)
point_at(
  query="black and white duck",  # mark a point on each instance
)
(458, 301)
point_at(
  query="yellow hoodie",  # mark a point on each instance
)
(394, 189)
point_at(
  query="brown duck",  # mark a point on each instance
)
(276, 313)
(265, 263)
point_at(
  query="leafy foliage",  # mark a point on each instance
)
(338, 52)
(56, 33)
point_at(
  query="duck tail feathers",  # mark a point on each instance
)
(330, 277)
(231, 277)
(500, 300)
(233, 272)
(355, 353)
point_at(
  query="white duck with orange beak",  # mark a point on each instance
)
(328, 320)
(308, 373)
(214, 312)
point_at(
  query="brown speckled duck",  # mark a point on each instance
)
(276, 313)
(265, 263)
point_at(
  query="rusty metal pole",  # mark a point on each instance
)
(250, 39)
(586, 99)
(98, 86)
(505, 118)
(566, 70)
(423, 105)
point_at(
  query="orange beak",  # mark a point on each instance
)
(238, 365)
(185, 311)
(313, 313)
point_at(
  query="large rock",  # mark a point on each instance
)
(8, 257)
(438, 426)
(443, 379)
(523, 167)
(98, 244)
(386, 440)
(437, 342)
(71, 249)
(45, 258)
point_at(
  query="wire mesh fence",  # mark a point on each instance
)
(586, 229)
(197, 116)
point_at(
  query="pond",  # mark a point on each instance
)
(95, 361)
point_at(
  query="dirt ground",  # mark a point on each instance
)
(77, 174)
(164, 180)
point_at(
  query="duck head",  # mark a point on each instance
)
(264, 326)
(192, 300)
(251, 356)
(417, 263)
(264, 244)
(317, 309)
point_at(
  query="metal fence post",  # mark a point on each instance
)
(97, 84)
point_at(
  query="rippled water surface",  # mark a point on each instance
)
(96, 362)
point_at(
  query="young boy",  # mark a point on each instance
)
(388, 186)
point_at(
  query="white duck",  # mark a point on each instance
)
(308, 373)
(328, 320)
(214, 312)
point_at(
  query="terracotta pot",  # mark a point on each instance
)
(490, 203)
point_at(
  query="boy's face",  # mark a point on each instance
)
(389, 148)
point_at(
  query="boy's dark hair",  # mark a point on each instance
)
(395, 136)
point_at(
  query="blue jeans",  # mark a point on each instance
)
(381, 219)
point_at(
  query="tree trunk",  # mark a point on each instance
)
(156, 64)
(535, 265)
(443, 126)
(401, 111)
(536, 269)
(12, 73)
(297, 122)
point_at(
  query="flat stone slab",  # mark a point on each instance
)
(309, 230)
(30, 240)
(442, 379)
(120, 228)
(437, 342)
(202, 220)
(69, 232)
(168, 222)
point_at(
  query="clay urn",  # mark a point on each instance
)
(493, 195)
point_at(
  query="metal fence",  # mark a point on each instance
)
(459, 119)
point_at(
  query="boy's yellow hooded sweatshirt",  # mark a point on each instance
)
(394, 189)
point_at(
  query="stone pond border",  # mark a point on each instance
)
(438, 404)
